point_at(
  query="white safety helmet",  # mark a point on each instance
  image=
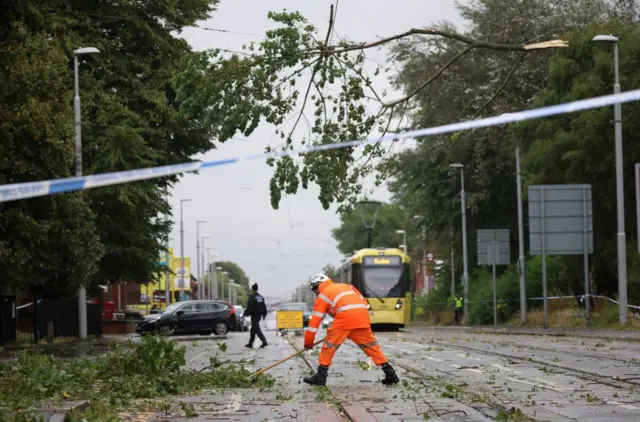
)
(317, 279)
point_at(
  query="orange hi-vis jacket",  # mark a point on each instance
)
(344, 303)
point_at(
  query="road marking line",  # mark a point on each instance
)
(432, 358)
(624, 405)
(467, 369)
(236, 401)
(552, 384)
(194, 358)
(462, 355)
(504, 368)
(422, 346)
(535, 385)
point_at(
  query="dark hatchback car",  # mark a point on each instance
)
(192, 316)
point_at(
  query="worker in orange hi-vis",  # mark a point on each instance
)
(351, 321)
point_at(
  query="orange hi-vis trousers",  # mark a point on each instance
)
(362, 337)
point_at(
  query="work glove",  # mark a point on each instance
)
(264, 317)
(308, 346)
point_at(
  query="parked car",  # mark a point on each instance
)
(192, 316)
(243, 323)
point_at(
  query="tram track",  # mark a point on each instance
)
(478, 399)
(615, 382)
(500, 399)
(348, 412)
(567, 352)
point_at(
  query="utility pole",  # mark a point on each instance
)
(463, 206)
(521, 266)
(167, 281)
(77, 124)
(182, 270)
(198, 261)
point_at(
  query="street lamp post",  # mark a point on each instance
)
(424, 254)
(404, 239)
(182, 201)
(463, 205)
(521, 262)
(369, 226)
(211, 277)
(226, 276)
(231, 283)
(621, 237)
(200, 258)
(200, 295)
(77, 123)
(215, 282)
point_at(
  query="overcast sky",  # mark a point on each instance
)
(279, 249)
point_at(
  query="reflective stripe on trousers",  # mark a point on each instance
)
(363, 337)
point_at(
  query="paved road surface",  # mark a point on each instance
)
(448, 375)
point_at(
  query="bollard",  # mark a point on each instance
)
(50, 332)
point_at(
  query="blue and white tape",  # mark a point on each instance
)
(16, 191)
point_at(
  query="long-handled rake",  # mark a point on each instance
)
(273, 365)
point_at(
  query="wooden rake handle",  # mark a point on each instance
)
(273, 365)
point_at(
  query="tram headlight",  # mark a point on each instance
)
(368, 306)
(399, 304)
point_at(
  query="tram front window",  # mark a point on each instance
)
(383, 281)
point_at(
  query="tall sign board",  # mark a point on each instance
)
(561, 223)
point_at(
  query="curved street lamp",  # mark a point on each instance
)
(369, 226)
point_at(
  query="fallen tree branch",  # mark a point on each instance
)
(425, 31)
(313, 75)
(493, 97)
(502, 87)
(432, 78)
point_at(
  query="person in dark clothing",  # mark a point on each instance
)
(256, 308)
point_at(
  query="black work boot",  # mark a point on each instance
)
(319, 378)
(390, 376)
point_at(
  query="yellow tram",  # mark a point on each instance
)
(385, 278)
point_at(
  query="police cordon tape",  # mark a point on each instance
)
(16, 191)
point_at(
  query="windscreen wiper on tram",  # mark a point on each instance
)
(374, 293)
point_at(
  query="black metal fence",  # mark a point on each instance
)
(7, 319)
(62, 315)
(18, 321)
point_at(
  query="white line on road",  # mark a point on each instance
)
(422, 346)
(394, 347)
(234, 404)
(196, 357)
(553, 384)
(462, 355)
(504, 368)
(623, 405)
(432, 358)
(477, 371)
(535, 385)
